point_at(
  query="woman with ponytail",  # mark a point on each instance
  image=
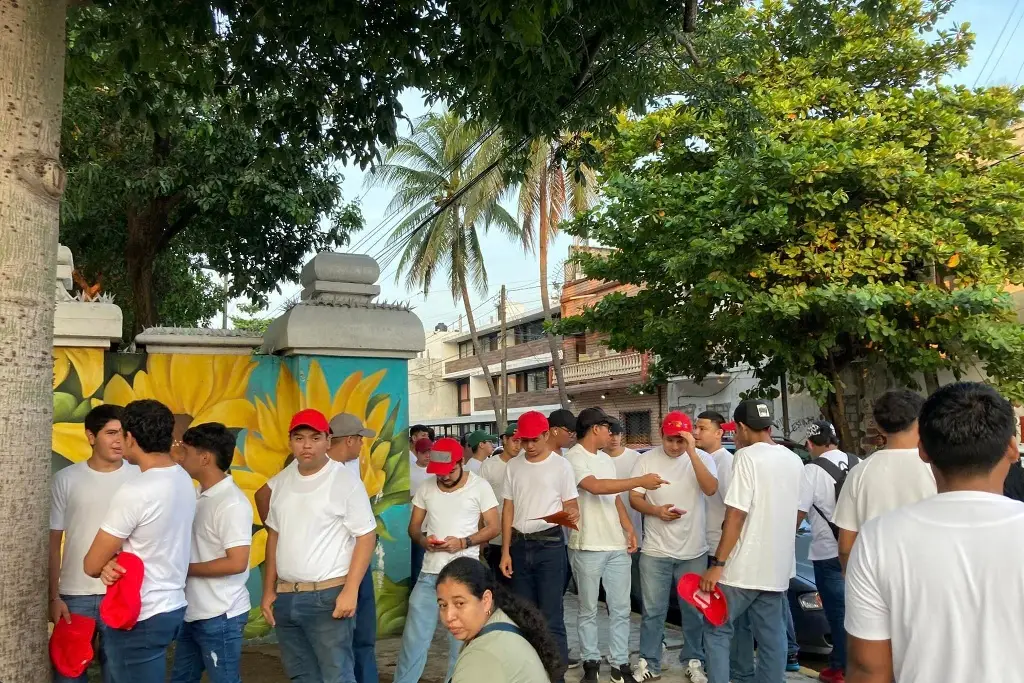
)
(505, 639)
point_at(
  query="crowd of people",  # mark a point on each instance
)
(915, 549)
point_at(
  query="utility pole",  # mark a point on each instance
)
(227, 300)
(503, 421)
(785, 406)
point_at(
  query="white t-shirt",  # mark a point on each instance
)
(884, 481)
(684, 538)
(79, 500)
(417, 474)
(223, 520)
(453, 513)
(600, 528)
(153, 513)
(818, 490)
(716, 503)
(943, 579)
(624, 462)
(318, 518)
(493, 472)
(473, 465)
(538, 489)
(766, 485)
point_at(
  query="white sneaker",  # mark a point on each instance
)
(642, 673)
(695, 672)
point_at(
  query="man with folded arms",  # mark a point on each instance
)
(319, 545)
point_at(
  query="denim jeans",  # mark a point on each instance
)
(420, 624)
(364, 639)
(591, 568)
(741, 651)
(315, 647)
(213, 645)
(139, 655)
(658, 579)
(87, 606)
(792, 649)
(765, 609)
(828, 577)
(539, 570)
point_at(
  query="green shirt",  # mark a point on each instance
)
(499, 657)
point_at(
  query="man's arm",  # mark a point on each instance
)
(262, 499)
(627, 525)
(508, 511)
(868, 661)
(707, 481)
(416, 527)
(269, 578)
(604, 487)
(58, 609)
(800, 517)
(490, 529)
(103, 549)
(572, 508)
(731, 528)
(345, 605)
(235, 561)
(846, 540)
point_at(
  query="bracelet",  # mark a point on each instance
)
(468, 540)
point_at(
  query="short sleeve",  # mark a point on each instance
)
(567, 489)
(845, 516)
(359, 519)
(126, 511)
(58, 501)
(867, 614)
(807, 485)
(741, 489)
(506, 485)
(580, 466)
(485, 496)
(709, 462)
(234, 525)
(419, 498)
(639, 470)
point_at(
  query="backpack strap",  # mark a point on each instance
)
(500, 626)
(838, 474)
(830, 467)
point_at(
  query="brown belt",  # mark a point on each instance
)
(307, 586)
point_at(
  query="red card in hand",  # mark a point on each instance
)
(561, 518)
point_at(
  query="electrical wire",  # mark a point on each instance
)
(996, 44)
(1008, 41)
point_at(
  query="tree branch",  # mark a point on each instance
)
(690, 16)
(590, 50)
(186, 215)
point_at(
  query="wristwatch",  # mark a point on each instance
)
(469, 541)
(715, 562)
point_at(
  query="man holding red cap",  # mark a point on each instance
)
(447, 510)
(675, 542)
(538, 484)
(319, 545)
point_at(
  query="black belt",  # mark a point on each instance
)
(552, 534)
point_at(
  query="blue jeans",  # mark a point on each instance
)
(420, 624)
(741, 651)
(658, 579)
(139, 655)
(87, 606)
(828, 577)
(213, 645)
(792, 649)
(364, 640)
(539, 570)
(765, 609)
(591, 568)
(315, 647)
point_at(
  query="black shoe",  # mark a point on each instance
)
(590, 670)
(573, 662)
(792, 663)
(620, 674)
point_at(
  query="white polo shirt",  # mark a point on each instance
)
(818, 492)
(884, 481)
(600, 528)
(153, 513)
(223, 520)
(80, 497)
(538, 489)
(452, 513)
(716, 503)
(317, 518)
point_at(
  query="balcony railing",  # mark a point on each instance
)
(604, 368)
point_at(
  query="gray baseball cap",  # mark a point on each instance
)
(346, 424)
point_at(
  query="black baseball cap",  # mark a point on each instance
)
(822, 433)
(755, 413)
(615, 426)
(562, 418)
(590, 417)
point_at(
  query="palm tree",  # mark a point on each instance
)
(551, 192)
(433, 169)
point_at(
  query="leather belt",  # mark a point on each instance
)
(552, 534)
(309, 586)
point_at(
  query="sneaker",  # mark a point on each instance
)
(695, 672)
(590, 669)
(792, 663)
(640, 672)
(620, 674)
(832, 676)
(574, 661)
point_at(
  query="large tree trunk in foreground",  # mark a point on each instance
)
(499, 414)
(140, 258)
(32, 181)
(545, 301)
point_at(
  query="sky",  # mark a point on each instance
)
(997, 59)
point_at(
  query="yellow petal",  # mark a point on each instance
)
(237, 460)
(147, 387)
(70, 441)
(118, 392)
(318, 396)
(258, 549)
(378, 416)
(379, 455)
(361, 394)
(261, 457)
(235, 413)
(61, 367)
(344, 392)
(269, 426)
(287, 400)
(192, 379)
(158, 378)
(374, 483)
(88, 364)
(234, 377)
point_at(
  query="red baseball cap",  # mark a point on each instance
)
(71, 645)
(121, 606)
(423, 445)
(675, 423)
(712, 605)
(311, 418)
(531, 425)
(444, 456)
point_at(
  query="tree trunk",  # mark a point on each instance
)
(140, 257)
(931, 381)
(835, 410)
(542, 241)
(495, 399)
(32, 52)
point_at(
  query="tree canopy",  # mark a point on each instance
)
(837, 206)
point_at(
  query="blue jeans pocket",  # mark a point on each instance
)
(326, 598)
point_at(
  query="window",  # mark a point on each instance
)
(532, 380)
(466, 349)
(581, 346)
(637, 426)
(490, 343)
(465, 402)
(724, 409)
(530, 331)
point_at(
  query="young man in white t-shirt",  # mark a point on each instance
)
(538, 483)
(319, 544)
(561, 430)
(756, 557)
(453, 512)
(675, 542)
(81, 494)
(934, 588)
(493, 472)
(481, 445)
(889, 478)
(218, 599)
(624, 458)
(827, 467)
(150, 516)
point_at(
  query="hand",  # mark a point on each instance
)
(111, 572)
(430, 547)
(631, 544)
(669, 513)
(345, 605)
(452, 544)
(652, 481)
(506, 565)
(59, 610)
(574, 515)
(267, 606)
(691, 443)
(710, 579)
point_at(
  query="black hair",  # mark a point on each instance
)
(99, 416)
(713, 416)
(615, 427)
(966, 428)
(477, 577)
(150, 423)
(896, 410)
(215, 439)
(422, 428)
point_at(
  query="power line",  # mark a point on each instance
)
(1008, 41)
(996, 44)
